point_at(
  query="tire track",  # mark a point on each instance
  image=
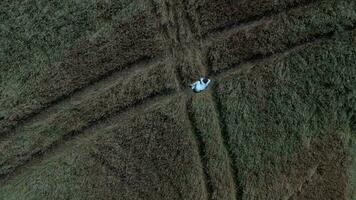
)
(91, 92)
(200, 145)
(265, 16)
(275, 35)
(138, 106)
(156, 165)
(68, 120)
(200, 141)
(155, 99)
(79, 135)
(105, 79)
(220, 32)
(225, 138)
(178, 31)
(247, 64)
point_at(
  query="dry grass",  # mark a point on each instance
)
(151, 154)
(327, 178)
(130, 40)
(216, 15)
(76, 116)
(281, 32)
(70, 174)
(280, 128)
(214, 153)
(276, 111)
(154, 153)
(351, 183)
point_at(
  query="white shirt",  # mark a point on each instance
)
(200, 85)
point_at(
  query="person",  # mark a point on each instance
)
(200, 85)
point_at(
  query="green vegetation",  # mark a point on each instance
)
(220, 14)
(352, 172)
(290, 116)
(137, 158)
(31, 85)
(214, 154)
(123, 93)
(163, 161)
(281, 32)
(70, 174)
(95, 104)
(33, 36)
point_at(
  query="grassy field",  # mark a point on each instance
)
(95, 104)
(82, 61)
(216, 159)
(289, 119)
(134, 159)
(218, 15)
(281, 32)
(81, 113)
(351, 187)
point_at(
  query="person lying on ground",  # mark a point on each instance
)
(200, 85)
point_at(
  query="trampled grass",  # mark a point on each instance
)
(214, 153)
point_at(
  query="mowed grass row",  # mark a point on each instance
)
(289, 121)
(214, 153)
(150, 154)
(215, 15)
(74, 117)
(129, 40)
(281, 32)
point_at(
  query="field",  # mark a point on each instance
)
(95, 104)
